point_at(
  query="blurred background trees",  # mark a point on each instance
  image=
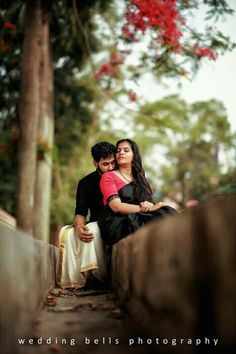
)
(194, 140)
(184, 146)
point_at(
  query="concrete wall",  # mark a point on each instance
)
(177, 277)
(26, 274)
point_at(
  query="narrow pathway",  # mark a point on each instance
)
(81, 322)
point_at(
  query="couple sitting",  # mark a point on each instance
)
(119, 184)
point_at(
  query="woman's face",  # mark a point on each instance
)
(124, 153)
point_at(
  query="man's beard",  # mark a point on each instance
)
(99, 170)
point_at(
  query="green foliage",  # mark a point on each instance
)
(191, 138)
(10, 56)
(73, 41)
(8, 173)
(227, 183)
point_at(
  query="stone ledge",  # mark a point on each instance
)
(177, 277)
(27, 273)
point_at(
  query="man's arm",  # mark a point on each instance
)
(81, 229)
(81, 211)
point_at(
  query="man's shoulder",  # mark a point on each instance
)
(109, 175)
(91, 177)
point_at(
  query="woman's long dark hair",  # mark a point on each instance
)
(143, 189)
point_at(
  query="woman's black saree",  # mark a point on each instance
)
(115, 226)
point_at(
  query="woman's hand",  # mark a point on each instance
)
(157, 206)
(145, 206)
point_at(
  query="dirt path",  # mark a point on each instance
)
(81, 322)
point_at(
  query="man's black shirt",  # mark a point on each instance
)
(89, 196)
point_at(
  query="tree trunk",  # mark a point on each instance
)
(29, 113)
(46, 128)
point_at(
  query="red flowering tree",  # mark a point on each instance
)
(173, 47)
(160, 16)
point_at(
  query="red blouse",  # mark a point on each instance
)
(110, 184)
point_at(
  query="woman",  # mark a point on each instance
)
(127, 196)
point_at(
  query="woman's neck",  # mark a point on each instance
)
(127, 170)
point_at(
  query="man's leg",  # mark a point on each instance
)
(100, 251)
(70, 259)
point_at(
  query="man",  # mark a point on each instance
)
(81, 250)
(89, 196)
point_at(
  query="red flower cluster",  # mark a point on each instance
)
(9, 25)
(163, 20)
(110, 68)
(159, 15)
(43, 145)
(132, 96)
(204, 52)
(127, 34)
(106, 69)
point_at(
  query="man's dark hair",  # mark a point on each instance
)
(102, 150)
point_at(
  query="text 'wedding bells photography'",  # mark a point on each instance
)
(138, 341)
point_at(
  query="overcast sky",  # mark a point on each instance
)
(218, 79)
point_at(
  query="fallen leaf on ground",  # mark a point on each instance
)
(117, 313)
(50, 300)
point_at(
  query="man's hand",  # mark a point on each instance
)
(83, 233)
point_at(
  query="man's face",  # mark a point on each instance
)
(105, 165)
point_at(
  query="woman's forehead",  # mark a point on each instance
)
(124, 144)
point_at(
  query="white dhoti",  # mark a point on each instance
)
(78, 260)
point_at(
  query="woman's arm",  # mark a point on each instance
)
(109, 190)
(123, 208)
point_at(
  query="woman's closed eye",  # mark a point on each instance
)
(124, 150)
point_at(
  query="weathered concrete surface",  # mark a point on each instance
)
(26, 274)
(177, 277)
(7, 218)
(83, 322)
